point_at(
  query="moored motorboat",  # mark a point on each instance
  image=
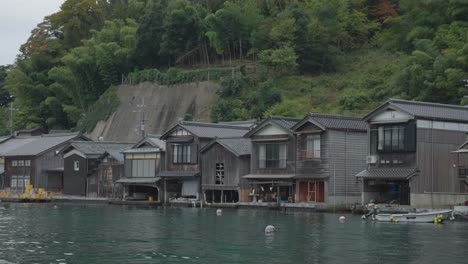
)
(423, 217)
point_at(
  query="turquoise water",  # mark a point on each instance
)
(40, 233)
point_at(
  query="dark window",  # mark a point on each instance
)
(219, 173)
(396, 138)
(463, 172)
(182, 153)
(272, 156)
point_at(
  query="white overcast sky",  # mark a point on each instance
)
(17, 19)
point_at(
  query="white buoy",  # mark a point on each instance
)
(219, 212)
(269, 229)
(55, 206)
(342, 219)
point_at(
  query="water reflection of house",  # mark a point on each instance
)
(91, 168)
(183, 143)
(409, 158)
(330, 150)
(143, 164)
(33, 159)
(272, 160)
(223, 163)
(461, 166)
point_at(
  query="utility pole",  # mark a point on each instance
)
(141, 109)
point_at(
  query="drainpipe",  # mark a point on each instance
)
(432, 163)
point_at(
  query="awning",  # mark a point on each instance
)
(149, 180)
(460, 151)
(268, 176)
(219, 187)
(190, 188)
(58, 169)
(175, 174)
(388, 173)
(309, 177)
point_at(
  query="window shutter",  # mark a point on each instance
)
(410, 137)
(128, 168)
(316, 153)
(282, 155)
(174, 153)
(261, 156)
(193, 150)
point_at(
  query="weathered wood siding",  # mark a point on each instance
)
(234, 168)
(23, 170)
(290, 154)
(315, 168)
(194, 148)
(435, 161)
(48, 160)
(347, 157)
(74, 182)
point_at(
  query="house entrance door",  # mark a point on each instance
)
(312, 191)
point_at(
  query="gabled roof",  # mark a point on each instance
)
(36, 145)
(239, 146)
(152, 140)
(246, 123)
(90, 148)
(283, 122)
(208, 130)
(424, 110)
(333, 122)
(388, 173)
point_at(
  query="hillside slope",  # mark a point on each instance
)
(164, 106)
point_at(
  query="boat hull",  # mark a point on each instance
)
(426, 217)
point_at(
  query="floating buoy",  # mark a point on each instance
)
(219, 212)
(342, 219)
(55, 206)
(269, 229)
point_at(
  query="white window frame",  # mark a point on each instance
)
(76, 165)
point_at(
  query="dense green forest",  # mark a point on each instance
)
(290, 56)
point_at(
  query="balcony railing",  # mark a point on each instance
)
(272, 164)
(310, 154)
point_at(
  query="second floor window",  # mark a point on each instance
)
(182, 154)
(312, 150)
(272, 156)
(391, 138)
(76, 165)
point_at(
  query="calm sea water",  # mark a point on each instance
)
(40, 233)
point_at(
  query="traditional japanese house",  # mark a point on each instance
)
(223, 163)
(272, 161)
(91, 168)
(183, 143)
(35, 160)
(409, 159)
(461, 167)
(330, 151)
(143, 165)
(2, 163)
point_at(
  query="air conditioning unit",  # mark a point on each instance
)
(371, 159)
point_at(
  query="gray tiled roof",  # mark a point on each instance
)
(142, 150)
(246, 123)
(285, 122)
(212, 130)
(429, 110)
(268, 176)
(156, 142)
(338, 122)
(4, 138)
(99, 147)
(239, 146)
(178, 174)
(34, 145)
(388, 173)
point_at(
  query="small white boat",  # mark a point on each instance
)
(425, 217)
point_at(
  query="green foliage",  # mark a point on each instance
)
(101, 110)
(339, 48)
(175, 75)
(242, 98)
